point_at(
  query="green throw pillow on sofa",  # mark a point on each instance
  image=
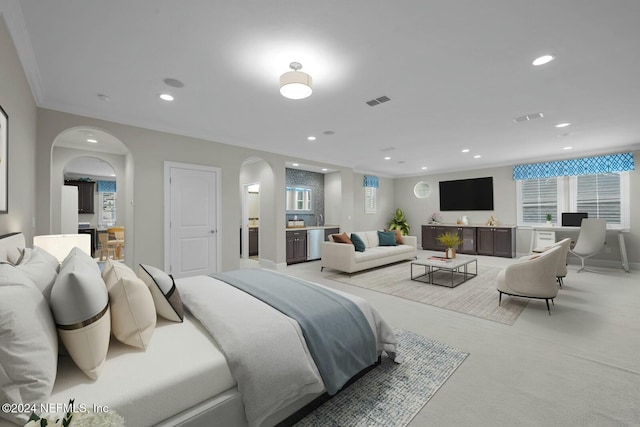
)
(357, 242)
(387, 238)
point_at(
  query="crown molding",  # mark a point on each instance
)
(12, 13)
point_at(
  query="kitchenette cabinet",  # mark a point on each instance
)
(480, 240)
(497, 241)
(296, 246)
(85, 195)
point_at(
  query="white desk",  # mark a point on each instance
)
(623, 249)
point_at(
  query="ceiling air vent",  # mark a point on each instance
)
(379, 100)
(528, 117)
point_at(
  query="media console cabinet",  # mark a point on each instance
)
(476, 239)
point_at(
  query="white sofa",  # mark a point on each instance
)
(344, 257)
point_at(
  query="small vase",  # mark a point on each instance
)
(450, 253)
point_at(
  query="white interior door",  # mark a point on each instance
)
(193, 218)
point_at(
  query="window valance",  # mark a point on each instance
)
(610, 163)
(370, 181)
(106, 186)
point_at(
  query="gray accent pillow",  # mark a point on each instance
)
(164, 292)
(29, 350)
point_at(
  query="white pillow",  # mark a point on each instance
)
(133, 313)
(41, 267)
(28, 343)
(164, 291)
(80, 305)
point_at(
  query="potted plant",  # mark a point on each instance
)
(399, 222)
(450, 241)
(548, 218)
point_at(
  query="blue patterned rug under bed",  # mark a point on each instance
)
(391, 394)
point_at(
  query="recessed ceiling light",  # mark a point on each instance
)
(166, 97)
(477, 156)
(466, 150)
(567, 148)
(311, 138)
(113, 174)
(324, 169)
(92, 140)
(296, 164)
(424, 168)
(387, 158)
(544, 59)
(562, 125)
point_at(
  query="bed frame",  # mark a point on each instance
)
(226, 409)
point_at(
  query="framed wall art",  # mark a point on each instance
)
(4, 161)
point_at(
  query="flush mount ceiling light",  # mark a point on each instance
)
(295, 84)
(544, 59)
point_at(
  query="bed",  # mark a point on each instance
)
(184, 376)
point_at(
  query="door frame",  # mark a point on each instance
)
(168, 165)
(245, 220)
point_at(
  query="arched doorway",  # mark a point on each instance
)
(257, 234)
(94, 155)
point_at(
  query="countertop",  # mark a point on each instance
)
(312, 227)
(474, 225)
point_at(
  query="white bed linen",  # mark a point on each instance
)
(265, 349)
(181, 368)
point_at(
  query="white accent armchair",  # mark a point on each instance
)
(531, 277)
(590, 240)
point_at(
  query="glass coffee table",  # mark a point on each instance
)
(442, 271)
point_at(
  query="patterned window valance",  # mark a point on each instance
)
(370, 181)
(106, 186)
(585, 166)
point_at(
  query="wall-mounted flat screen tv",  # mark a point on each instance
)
(467, 194)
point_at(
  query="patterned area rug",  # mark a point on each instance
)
(476, 297)
(391, 394)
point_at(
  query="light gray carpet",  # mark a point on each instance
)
(391, 394)
(476, 297)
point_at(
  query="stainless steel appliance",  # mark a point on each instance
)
(315, 238)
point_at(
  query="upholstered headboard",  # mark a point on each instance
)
(11, 246)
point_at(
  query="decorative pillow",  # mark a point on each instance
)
(80, 305)
(133, 314)
(165, 294)
(41, 267)
(28, 343)
(341, 238)
(15, 255)
(398, 236)
(387, 238)
(357, 242)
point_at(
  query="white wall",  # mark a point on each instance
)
(18, 103)
(505, 208)
(386, 205)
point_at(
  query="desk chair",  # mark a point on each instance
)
(590, 240)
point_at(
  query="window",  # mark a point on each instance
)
(370, 200)
(107, 209)
(600, 195)
(536, 199)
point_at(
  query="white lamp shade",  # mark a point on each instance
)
(59, 245)
(295, 85)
